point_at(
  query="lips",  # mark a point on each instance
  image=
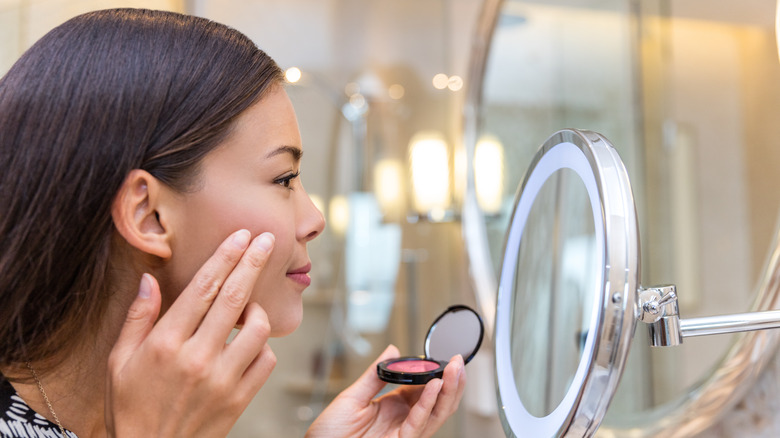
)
(301, 275)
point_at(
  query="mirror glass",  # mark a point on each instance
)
(458, 331)
(554, 285)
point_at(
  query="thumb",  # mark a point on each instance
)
(368, 385)
(140, 319)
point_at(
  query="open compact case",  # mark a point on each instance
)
(459, 330)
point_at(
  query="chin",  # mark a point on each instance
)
(287, 326)
(277, 333)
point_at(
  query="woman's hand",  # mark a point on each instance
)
(408, 411)
(179, 377)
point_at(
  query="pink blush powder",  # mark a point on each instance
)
(413, 366)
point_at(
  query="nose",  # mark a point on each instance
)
(313, 221)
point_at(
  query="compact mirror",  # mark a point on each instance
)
(459, 330)
(567, 289)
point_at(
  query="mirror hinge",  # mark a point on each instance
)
(658, 308)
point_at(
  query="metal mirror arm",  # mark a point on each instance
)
(659, 309)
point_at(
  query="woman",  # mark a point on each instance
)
(150, 202)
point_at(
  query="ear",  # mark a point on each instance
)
(136, 216)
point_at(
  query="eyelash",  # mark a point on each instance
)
(286, 180)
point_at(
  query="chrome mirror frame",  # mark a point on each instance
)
(703, 405)
(613, 314)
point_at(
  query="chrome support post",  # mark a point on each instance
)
(738, 322)
(659, 309)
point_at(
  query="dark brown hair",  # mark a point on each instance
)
(100, 95)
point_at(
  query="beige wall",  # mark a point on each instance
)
(22, 22)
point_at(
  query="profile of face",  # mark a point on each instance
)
(250, 181)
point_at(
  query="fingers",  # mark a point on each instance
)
(438, 401)
(140, 319)
(249, 356)
(187, 312)
(247, 345)
(420, 413)
(452, 390)
(368, 385)
(184, 359)
(257, 373)
(234, 293)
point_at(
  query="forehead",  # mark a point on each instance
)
(267, 129)
(273, 112)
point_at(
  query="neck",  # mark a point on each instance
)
(76, 387)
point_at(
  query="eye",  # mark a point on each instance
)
(286, 180)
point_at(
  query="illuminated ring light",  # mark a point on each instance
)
(611, 323)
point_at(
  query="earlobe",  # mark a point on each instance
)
(136, 214)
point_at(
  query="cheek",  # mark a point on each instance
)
(274, 291)
(284, 313)
(206, 223)
(212, 216)
(226, 217)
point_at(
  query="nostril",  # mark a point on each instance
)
(317, 229)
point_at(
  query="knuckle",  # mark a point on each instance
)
(256, 259)
(136, 312)
(164, 348)
(198, 367)
(221, 387)
(263, 325)
(233, 295)
(269, 356)
(228, 255)
(258, 325)
(206, 287)
(237, 403)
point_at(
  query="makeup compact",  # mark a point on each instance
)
(459, 330)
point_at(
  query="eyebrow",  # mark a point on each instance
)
(296, 152)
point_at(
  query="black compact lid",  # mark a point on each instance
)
(459, 330)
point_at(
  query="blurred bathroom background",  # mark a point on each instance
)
(687, 90)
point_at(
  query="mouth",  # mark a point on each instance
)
(301, 275)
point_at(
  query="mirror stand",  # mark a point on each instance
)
(658, 308)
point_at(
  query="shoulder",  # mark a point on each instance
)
(18, 420)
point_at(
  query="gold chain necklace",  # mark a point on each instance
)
(46, 399)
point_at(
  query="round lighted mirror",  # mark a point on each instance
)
(567, 288)
(538, 66)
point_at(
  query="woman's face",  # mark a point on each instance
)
(251, 181)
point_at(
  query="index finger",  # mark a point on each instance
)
(186, 313)
(235, 293)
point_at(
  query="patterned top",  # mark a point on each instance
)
(17, 420)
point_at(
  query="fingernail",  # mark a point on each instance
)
(241, 239)
(145, 289)
(265, 241)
